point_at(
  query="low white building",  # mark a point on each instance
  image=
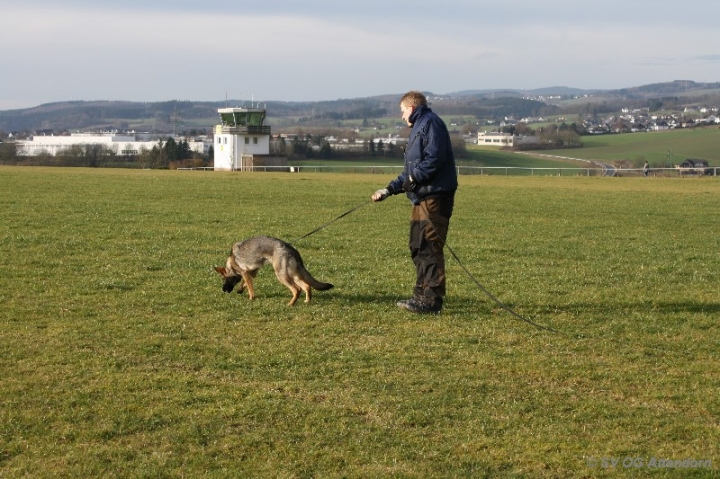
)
(122, 144)
(391, 139)
(495, 138)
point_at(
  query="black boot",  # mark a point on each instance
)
(421, 306)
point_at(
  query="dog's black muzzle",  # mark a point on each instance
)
(230, 283)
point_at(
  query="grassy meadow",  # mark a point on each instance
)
(120, 355)
(659, 148)
(474, 157)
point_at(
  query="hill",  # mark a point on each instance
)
(556, 90)
(177, 116)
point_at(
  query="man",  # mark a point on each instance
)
(429, 180)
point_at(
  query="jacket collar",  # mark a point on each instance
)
(417, 113)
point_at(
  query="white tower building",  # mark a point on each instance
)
(240, 137)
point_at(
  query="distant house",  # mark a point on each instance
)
(659, 126)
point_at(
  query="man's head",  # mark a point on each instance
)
(409, 102)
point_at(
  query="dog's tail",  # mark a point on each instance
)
(319, 285)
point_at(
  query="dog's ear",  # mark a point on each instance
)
(220, 270)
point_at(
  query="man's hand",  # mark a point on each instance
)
(381, 194)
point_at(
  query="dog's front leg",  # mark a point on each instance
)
(248, 281)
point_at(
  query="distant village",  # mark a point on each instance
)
(639, 120)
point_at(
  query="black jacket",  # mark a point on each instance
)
(429, 158)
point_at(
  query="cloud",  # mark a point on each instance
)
(715, 58)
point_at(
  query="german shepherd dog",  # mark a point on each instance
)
(248, 256)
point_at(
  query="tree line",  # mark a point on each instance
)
(309, 146)
(551, 136)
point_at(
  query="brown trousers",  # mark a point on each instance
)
(429, 222)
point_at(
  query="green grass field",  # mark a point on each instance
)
(659, 148)
(474, 157)
(121, 357)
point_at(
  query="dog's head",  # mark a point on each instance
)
(231, 279)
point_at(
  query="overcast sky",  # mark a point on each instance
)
(311, 50)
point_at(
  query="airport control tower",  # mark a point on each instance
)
(240, 138)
